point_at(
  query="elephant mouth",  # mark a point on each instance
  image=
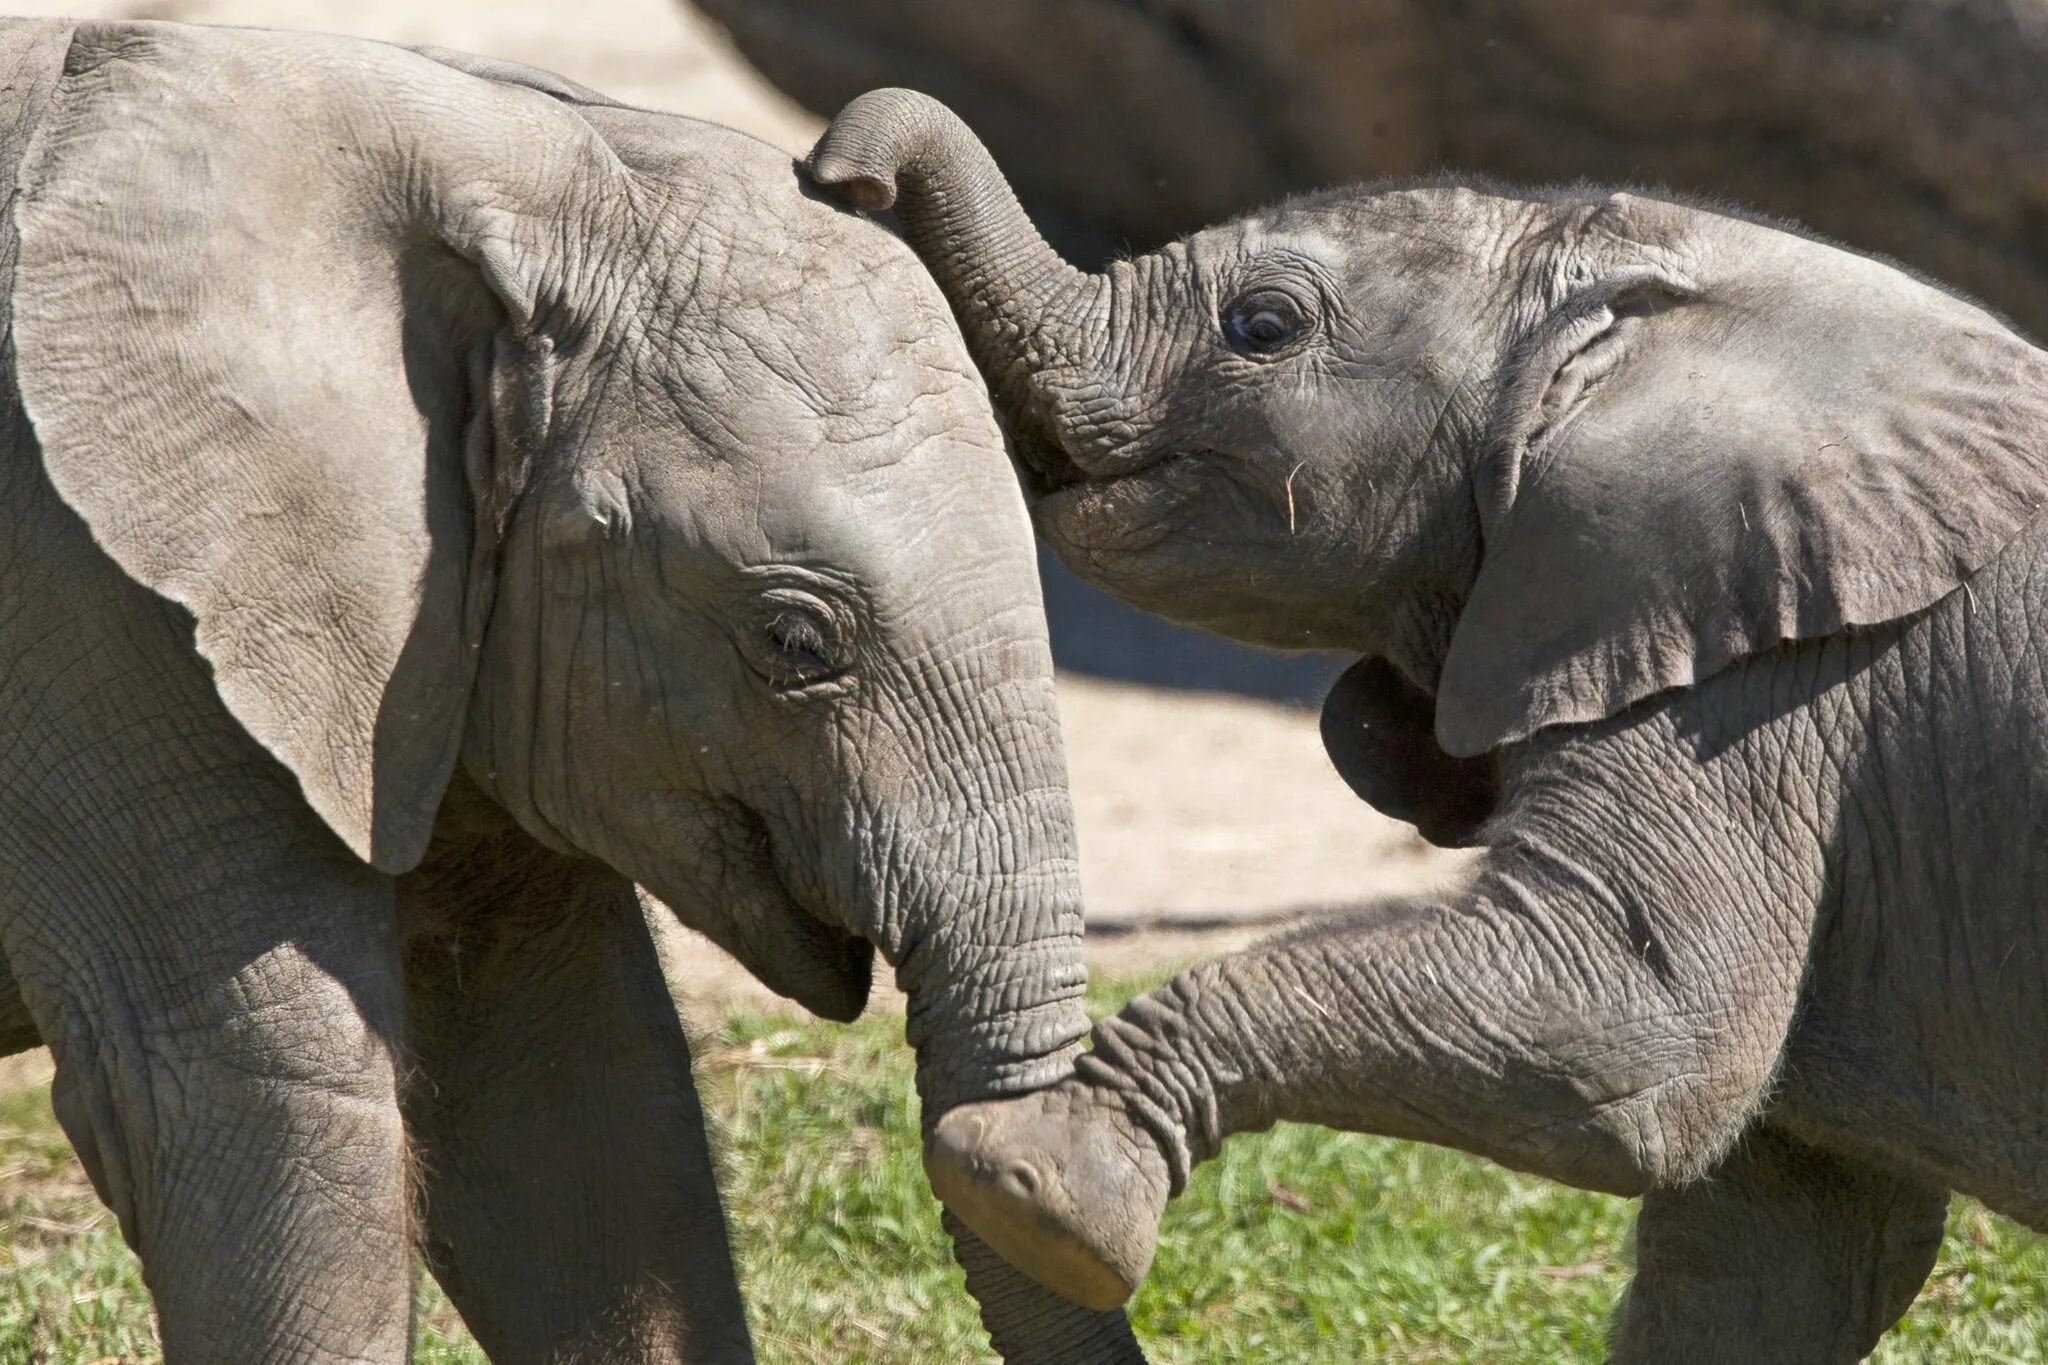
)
(788, 945)
(1096, 521)
(1049, 467)
(1043, 466)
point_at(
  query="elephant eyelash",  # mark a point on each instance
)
(798, 650)
(797, 635)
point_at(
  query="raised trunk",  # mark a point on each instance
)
(1023, 309)
(1916, 130)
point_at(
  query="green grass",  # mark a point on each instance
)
(1298, 1245)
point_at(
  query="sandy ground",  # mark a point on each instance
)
(1201, 815)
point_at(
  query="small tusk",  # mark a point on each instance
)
(1290, 494)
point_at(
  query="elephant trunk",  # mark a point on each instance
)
(1027, 1323)
(995, 1009)
(991, 959)
(982, 922)
(1025, 312)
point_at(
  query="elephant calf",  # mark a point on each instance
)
(1699, 569)
(436, 500)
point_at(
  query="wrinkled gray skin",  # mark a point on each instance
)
(1698, 573)
(435, 501)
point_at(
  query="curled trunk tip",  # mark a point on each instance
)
(1019, 304)
(880, 136)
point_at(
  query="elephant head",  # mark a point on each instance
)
(1547, 453)
(577, 446)
(1544, 454)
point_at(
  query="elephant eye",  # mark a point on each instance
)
(1264, 321)
(800, 642)
(798, 649)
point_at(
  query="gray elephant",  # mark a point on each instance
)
(1698, 568)
(438, 499)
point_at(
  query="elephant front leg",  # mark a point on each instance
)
(571, 1209)
(225, 1072)
(1578, 1027)
(1781, 1253)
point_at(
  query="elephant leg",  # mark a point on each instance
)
(570, 1204)
(222, 1027)
(1780, 1253)
(1523, 1019)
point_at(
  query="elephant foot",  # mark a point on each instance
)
(1061, 1182)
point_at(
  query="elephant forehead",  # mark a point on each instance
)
(767, 393)
(1417, 225)
(933, 500)
(832, 332)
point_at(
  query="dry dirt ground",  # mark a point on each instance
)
(1201, 816)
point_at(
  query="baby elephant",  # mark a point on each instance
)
(436, 499)
(1699, 571)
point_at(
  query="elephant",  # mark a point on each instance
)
(1913, 128)
(1910, 127)
(440, 500)
(1693, 565)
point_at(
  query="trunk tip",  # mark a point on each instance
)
(843, 172)
(851, 186)
(1057, 1186)
(872, 141)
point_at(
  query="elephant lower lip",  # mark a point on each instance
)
(784, 940)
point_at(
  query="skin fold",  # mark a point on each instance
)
(439, 499)
(1694, 564)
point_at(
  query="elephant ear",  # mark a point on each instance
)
(1380, 732)
(274, 316)
(1785, 442)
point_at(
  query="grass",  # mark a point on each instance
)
(1298, 1245)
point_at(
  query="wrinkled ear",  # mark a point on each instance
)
(1793, 441)
(274, 311)
(1380, 732)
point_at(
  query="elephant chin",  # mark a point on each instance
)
(839, 986)
(787, 949)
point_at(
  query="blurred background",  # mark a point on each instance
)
(1917, 129)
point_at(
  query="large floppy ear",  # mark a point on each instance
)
(1380, 732)
(1781, 441)
(276, 311)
